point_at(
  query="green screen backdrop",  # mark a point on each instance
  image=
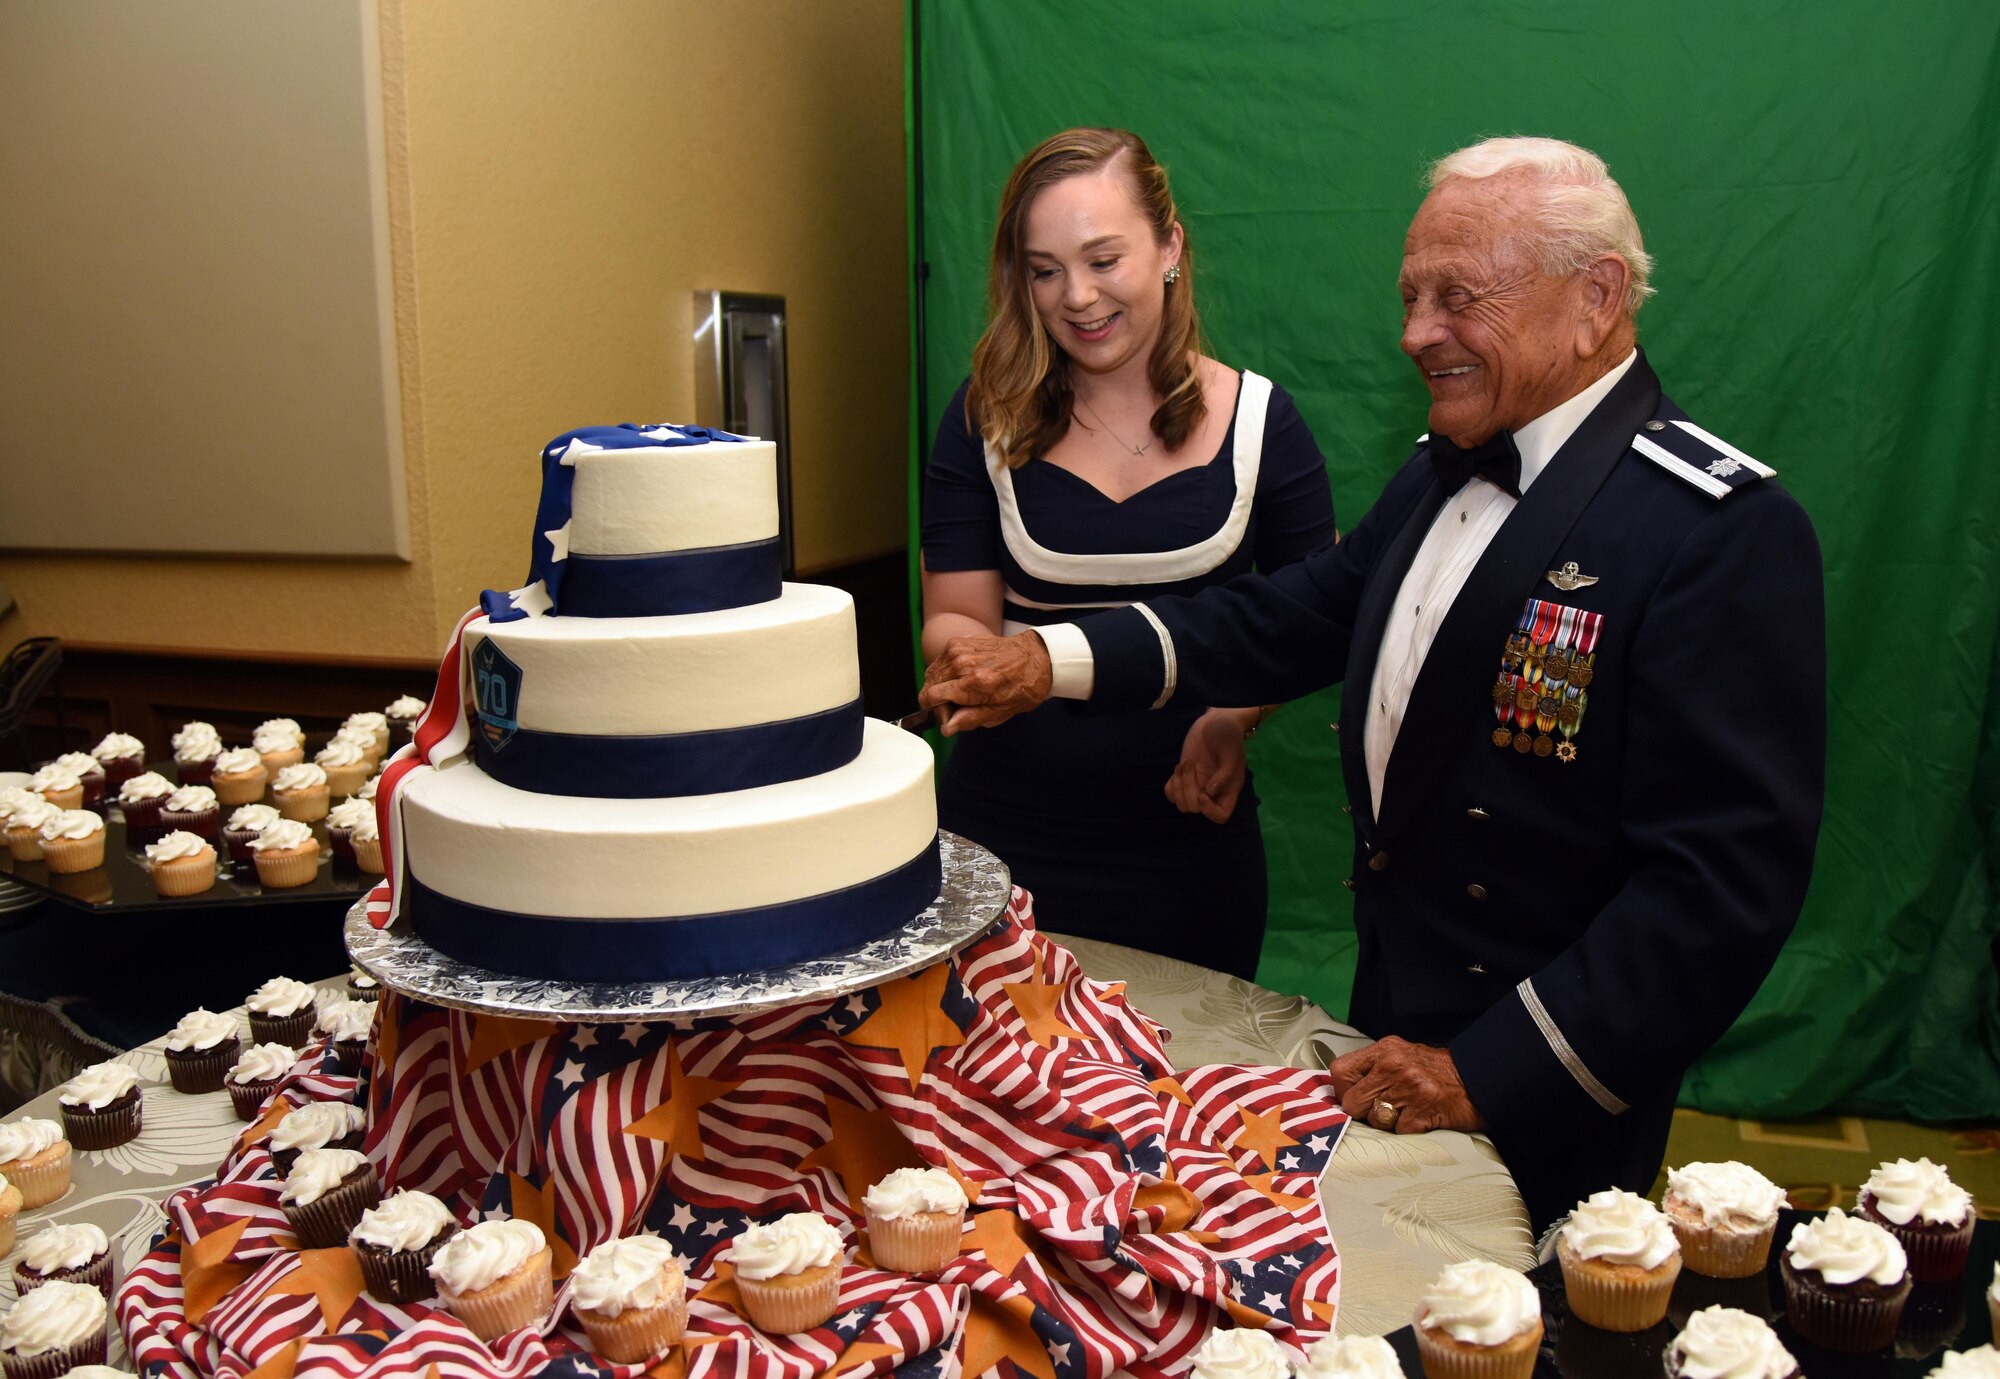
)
(1820, 185)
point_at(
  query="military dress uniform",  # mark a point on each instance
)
(1596, 825)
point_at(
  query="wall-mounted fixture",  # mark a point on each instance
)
(739, 380)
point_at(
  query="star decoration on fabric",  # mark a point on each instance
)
(538, 1204)
(1262, 1182)
(862, 1355)
(571, 1074)
(1004, 1330)
(1171, 1087)
(1263, 1134)
(911, 1020)
(494, 1035)
(1177, 1206)
(1006, 1239)
(1322, 1310)
(677, 1121)
(207, 1273)
(585, 1036)
(281, 1362)
(532, 599)
(721, 1290)
(632, 1033)
(331, 1277)
(861, 1148)
(274, 1111)
(1036, 1002)
(559, 540)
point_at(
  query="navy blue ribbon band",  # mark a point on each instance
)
(674, 764)
(657, 586)
(674, 949)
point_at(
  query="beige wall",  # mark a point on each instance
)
(562, 179)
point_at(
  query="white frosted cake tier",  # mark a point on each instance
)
(762, 663)
(488, 845)
(673, 498)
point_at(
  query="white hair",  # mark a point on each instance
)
(1583, 213)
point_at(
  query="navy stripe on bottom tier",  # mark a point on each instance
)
(674, 948)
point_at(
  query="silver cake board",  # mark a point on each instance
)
(976, 888)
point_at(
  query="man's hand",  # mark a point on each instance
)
(1421, 1082)
(1210, 774)
(984, 681)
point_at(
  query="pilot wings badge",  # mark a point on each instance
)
(1567, 579)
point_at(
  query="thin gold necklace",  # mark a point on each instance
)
(1135, 449)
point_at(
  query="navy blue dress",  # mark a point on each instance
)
(1074, 800)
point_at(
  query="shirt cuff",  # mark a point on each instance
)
(1072, 668)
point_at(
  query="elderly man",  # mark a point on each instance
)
(1584, 710)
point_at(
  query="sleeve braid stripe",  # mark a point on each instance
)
(1560, 1046)
(1172, 680)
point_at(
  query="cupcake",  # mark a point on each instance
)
(73, 841)
(396, 1240)
(1479, 1320)
(347, 1024)
(201, 1049)
(35, 1158)
(915, 1216)
(1240, 1353)
(346, 765)
(239, 776)
(59, 785)
(1619, 1261)
(316, 1125)
(362, 986)
(10, 1212)
(1846, 1281)
(280, 742)
(495, 1277)
(53, 1330)
(361, 728)
(367, 840)
(1351, 1357)
(1722, 1343)
(140, 798)
(181, 864)
(281, 1012)
(77, 1253)
(196, 746)
(300, 792)
(340, 822)
(24, 828)
(194, 809)
(1983, 1363)
(403, 716)
(89, 773)
(1724, 1215)
(242, 829)
(12, 795)
(630, 1297)
(788, 1272)
(325, 1194)
(256, 1074)
(101, 1107)
(1930, 1216)
(286, 854)
(121, 756)
(368, 787)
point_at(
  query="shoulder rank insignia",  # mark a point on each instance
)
(1689, 453)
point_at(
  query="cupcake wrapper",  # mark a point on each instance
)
(1723, 1254)
(348, 1054)
(401, 1276)
(368, 855)
(1935, 1256)
(635, 1336)
(791, 1303)
(71, 798)
(201, 1070)
(307, 806)
(294, 1029)
(523, 1298)
(363, 993)
(51, 1363)
(203, 823)
(195, 772)
(235, 790)
(186, 880)
(7, 1233)
(275, 762)
(106, 1129)
(66, 856)
(1445, 1359)
(42, 1178)
(97, 1274)
(1615, 1297)
(118, 770)
(345, 780)
(915, 1244)
(142, 813)
(248, 1097)
(1855, 1325)
(341, 841)
(324, 1224)
(280, 870)
(237, 841)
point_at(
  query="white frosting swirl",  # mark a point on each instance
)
(1904, 1191)
(1843, 1249)
(32, 814)
(1481, 1303)
(341, 751)
(367, 830)
(789, 1245)
(281, 728)
(1240, 1353)
(72, 824)
(280, 996)
(622, 1275)
(1351, 1357)
(53, 1317)
(180, 843)
(481, 1256)
(364, 738)
(406, 706)
(317, 1172)
(192, 799)
(349, 812)
(283, 835)
(82, 763)
(1726, 1196)
(349, 1020)
(12, 796)
(405, 1220)
(908, 1191)
(263, 1063)
(366, 721)
(358, 978)
(254, 818)
(1622, 1228)
(147, 785)
(305, 775)
(317, 1125)
(97, 1086)
(197, 731)
(200, 1028)
(367, 790)
(238, 761)
(27, 1137)
(117, 747)
(1983, 1363)
(53, 779)
(1723, 1343)
(55, 1248)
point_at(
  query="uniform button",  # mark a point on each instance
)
(1379, 862)
(1461, 517)
(1477, 813)
(1347, 809)
(1348, 882)
(1656, 426)
(1476, 891)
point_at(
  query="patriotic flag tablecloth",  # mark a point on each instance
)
(1120, 1210)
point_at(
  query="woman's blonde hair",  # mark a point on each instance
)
(1021, 392)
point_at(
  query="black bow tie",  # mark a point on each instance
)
(1496, 460)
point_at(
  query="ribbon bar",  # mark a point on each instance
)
(672, 582)
(674, 764)
(675, 948)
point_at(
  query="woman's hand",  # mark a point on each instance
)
(1210, 775)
